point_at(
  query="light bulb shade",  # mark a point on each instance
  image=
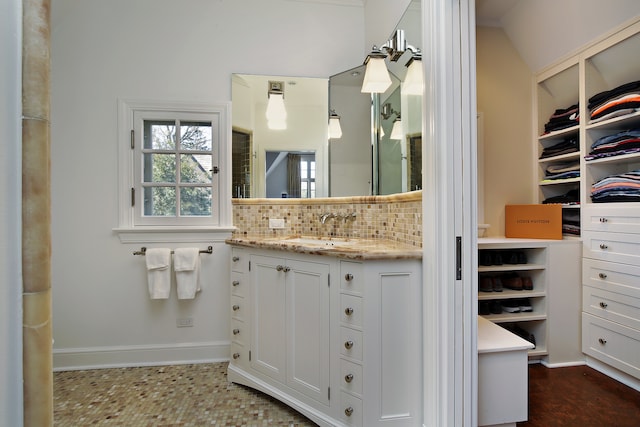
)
(277, 124)
(376, 76)
(397, 132)
(413, 81)
(335, 131)
(275, 107)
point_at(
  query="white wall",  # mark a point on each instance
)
(162, 50)
(545, 30)
(10, 208)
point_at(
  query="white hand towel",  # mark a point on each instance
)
(186, 263)
(158, 272)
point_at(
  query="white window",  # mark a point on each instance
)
(171, 165)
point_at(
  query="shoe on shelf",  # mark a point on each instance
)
(486, 284)
(511, 306)
(485, 258)
(495, 307)
(527, 283)
(525, 305)
(498, 258)
(512, 282)
(512, 257)
(522, 257)
(484, 308)
(497, 284)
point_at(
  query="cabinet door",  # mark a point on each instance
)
(268, 341)
(307, 295)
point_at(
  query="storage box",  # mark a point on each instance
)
(533, 221)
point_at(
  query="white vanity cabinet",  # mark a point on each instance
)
(337, 339)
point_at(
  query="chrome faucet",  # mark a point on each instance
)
(325, 216)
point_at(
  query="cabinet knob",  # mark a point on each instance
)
(286, 269)
(348, 344)
(602, 341)
(603, 304)
(603, 246)
(236, 307)
(348, 277)
(235, 283)
(236, 331)
(348, 378)
(348, 311)
(603, 219)
(236, 258)
(279, 268)
(236, 355)
(348, 411)
(602, 275)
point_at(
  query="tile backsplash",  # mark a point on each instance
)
(396, 217)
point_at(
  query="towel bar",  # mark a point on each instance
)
(143, 251)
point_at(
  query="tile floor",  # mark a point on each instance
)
(183, 395)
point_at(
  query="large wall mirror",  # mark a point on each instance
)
(295, 157)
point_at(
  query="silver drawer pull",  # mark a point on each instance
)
(348, 277)
(286, 269)
(602, 341)
(349, 411)
(603, 304)
(603, 246)
(348, 311)
(236, 331)
(235, 259)
(236, 355)
(236, 307)
(235, 283)
(348, 345)
(603, 219)
(602, 276)
(348, 378)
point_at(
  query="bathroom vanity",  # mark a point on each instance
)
(331, 327)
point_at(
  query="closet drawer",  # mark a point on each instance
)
(350, 410)
(612, 306)
(619, 219)
(611, 276)
(351, 343)
(616, 247)
(351, 277)
(351, 310)
(238, 284)
(351, 377)
(611, 343)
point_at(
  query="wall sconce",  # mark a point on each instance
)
(335, 130)
(376, 77)
(414, 81)
(397, 131)
(276, 113)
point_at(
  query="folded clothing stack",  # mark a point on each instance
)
(571, 197)
(622, 100)
(563, 118)
(571, 222)
(624, 187)
(566, 146)
(625, 142)
(562, 171)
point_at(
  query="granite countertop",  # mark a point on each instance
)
(339, 247)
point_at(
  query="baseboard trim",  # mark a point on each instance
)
(71, 359)
(614, 373)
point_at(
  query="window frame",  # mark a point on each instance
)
(131, 117)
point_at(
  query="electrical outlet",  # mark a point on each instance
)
(184, 322)
(276, 222)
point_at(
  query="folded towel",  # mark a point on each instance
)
(158, 272)
(186, 263)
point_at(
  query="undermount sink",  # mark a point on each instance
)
(322, 241)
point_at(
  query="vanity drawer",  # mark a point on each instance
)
(351, 277)
(238, 308)
(351, 377)
(351, 310)
(238, 284)
(612, 306)
(619, 219)
(612, 276)
(611, 343)
(239, 260)
(350, 410)
(616, 247)
(351, 343)
(238, 331)
(239, 354)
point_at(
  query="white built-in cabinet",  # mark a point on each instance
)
(337, 339)
(610, 232)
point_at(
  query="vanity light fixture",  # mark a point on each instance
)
(335, 131)
(413, 81)
(397, 131)
(376, 76)
(276, 112)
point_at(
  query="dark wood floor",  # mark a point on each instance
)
(579, 396)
